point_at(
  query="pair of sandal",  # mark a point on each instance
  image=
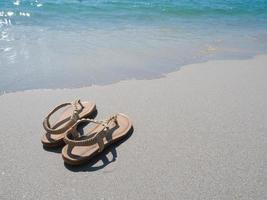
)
(79, 148)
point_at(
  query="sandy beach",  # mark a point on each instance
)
(199, 133)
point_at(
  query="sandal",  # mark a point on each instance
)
(80, 148)
(55, 133)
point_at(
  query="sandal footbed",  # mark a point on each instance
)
(80, 154)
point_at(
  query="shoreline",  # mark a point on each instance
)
(120, 60)
(161, 76)
(199, 133)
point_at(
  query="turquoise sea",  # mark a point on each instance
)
(76, 43)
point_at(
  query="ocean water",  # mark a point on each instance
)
(76, 43)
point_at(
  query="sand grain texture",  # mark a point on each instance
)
(200, 133)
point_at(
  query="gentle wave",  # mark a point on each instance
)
(66, 10)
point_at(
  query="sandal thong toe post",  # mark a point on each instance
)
(81, 148)
(73, 112)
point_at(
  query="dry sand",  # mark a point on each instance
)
(200, 133)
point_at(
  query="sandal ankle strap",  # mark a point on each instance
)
(74, 118)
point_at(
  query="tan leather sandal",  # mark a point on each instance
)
(81, 148)
(74, 111)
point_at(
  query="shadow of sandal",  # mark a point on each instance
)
(92, 166)
(57, 149)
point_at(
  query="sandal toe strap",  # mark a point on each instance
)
(96, 138)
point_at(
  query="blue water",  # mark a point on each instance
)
(71, 43)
